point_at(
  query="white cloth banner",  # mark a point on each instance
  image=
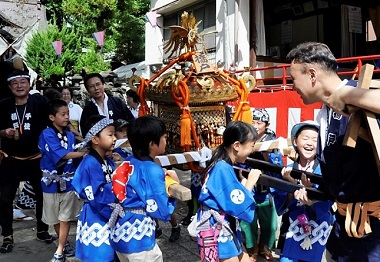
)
(20, 43)
(261, 48)
(3, 45)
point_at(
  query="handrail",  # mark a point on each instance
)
(276, 83)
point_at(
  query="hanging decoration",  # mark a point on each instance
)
(99, 38)
(57, 45)
(151, 17)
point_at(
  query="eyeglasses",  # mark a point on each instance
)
(97, 85)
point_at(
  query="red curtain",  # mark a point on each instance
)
(285, 108)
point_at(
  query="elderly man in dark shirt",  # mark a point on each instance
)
(22, 119)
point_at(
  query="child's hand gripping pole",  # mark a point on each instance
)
(174, 189)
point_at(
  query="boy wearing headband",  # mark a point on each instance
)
(92, 181)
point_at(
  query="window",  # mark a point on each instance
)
(370, 32)
(205, 12)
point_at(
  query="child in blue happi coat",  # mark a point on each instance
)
(309, 222)
(61, 205)
(265, 213)
(223, 199)
(92, 181)
(144, 196)
(121, 132)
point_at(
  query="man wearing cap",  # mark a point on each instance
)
(265, 212)
(22, 119)
(121, 133)
(102, 104)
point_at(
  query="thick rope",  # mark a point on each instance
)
(118, 211)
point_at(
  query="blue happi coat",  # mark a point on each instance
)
(224, 193)
(124, 152)
(146, 198)
(92, 181)
(351, 176)
(57, 173)
(319, 218)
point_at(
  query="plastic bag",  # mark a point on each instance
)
(192, 227)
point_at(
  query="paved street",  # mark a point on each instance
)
(29, 249)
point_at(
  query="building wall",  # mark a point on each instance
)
(154, 43)
(23, 13)
(304, 29)
(229, 35)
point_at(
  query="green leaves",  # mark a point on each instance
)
(129, 30)
(90, 9)
(73, 22)
(42, 58)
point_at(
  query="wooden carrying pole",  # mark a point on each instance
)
(283, 185)
(370, 131)
(182, 193)
(178, 191)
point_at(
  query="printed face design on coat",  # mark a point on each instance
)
(237, 196)
(151, 206)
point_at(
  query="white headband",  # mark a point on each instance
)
(18, 76)
(95, 129)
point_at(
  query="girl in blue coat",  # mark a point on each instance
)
(224, 201)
